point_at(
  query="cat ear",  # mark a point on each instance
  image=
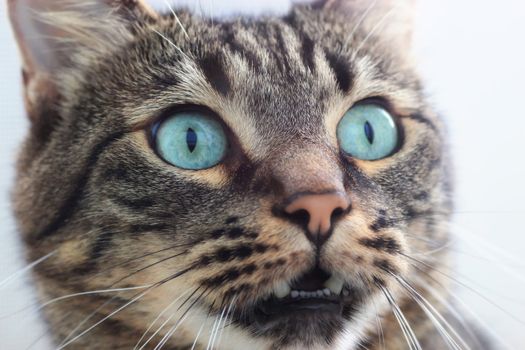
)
(391, 20)
(55, 34)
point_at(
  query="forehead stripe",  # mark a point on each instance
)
(342, 71)
(213, 68)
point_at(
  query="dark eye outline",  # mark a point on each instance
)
(387, 106)
(154, 125)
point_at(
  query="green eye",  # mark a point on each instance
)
(190, 140)
(368, 132)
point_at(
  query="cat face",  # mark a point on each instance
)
(212, 171)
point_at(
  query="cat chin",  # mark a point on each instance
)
(235, 337)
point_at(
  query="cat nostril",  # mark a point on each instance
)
(317, 212)
(336, 214)
(300, 217)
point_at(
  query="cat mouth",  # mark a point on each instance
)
(315, 297)
(314, 284)
(315, 291)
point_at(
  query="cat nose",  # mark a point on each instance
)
(318, 212)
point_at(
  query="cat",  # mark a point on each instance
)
(275, 182)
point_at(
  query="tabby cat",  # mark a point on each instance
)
(273, 182)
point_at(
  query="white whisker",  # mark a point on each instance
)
(102, 291)
(172, 331)
(360, 22)
(465, 307)
(141, 295)
(378, 25)
(379, 326)
(435, 316)
(198, 335)
(212, 332)
(43, 334)
(226, 319)
(452, 311)
(410, 337)
(481, 322)
(186, 313)
(169, 42)
(86, 319)
(155, 321)
(26, 269)
(466, 286)
(177, 19)
(488, 249)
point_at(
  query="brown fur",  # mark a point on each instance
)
(91, 188)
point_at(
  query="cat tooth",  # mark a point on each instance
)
(302, 294)
(346, 292)
(327, 292)
(320, 293)
(282, 289)
(335, 284)
(294, 294)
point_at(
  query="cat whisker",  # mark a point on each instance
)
(171, 332)
(462, 284)
(464, 307)
(135, 299)
(198, 335)
(484, 255)
(177, 19)
(360, 22)
(147, 267)
(86, 319)
(202, 327)
(101, 291)
(43, 334)
(377, 26)
(437, 319)
(215, 323)
(488, 328)
(490, 247)
(183, 317)
(26, 269)
(379, 326)
(212, 332)
(228, 312)
(155, 321)
(410, 337)
(436, 295)
(215, 336)
(132, 301)
(126, 262)
(169, 42)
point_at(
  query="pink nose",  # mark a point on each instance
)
(320, 209)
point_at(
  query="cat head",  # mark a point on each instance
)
(283, 173)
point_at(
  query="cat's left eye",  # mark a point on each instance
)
(368, 132)
(190, 140)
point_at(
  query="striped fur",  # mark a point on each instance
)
(91, 188)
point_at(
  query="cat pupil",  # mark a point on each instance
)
(369, 132)
(191, 139)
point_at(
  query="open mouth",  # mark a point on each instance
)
(314, 293)
(312, 308)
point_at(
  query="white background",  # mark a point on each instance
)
(472, 54)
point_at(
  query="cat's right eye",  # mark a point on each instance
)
(368, 131)
(190, 140)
